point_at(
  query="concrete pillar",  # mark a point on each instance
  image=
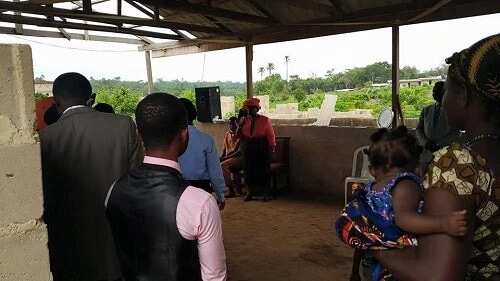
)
(23, 237)
(149, 71)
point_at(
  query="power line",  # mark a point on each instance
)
(72, 48)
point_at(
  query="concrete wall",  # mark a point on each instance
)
(320, 157)
(23, 238)
(366, 122)
(44, 88)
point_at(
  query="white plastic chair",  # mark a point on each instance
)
(363, 176)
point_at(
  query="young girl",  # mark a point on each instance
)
(387, 212)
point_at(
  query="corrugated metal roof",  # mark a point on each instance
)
(234, 22)
(295, 19)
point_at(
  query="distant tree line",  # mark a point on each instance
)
(308, 92)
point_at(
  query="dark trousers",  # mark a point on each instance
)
(257, 160)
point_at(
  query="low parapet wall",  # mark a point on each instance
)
(320, 157)
(339, 122)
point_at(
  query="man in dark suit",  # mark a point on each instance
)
(83, 153)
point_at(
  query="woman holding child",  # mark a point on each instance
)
(459, 182)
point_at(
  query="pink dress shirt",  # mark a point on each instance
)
(198, 218)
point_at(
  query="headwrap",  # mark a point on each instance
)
(478, 67)
(252, 102)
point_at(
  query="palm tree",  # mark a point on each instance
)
(287, 60)
(261, 70)
(270, 68)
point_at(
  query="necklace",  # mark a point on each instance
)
(480, 137)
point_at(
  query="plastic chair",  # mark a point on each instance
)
(362, 176)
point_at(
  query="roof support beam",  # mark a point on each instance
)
(119, 7)
(87, 6)
(152, 15)
(19, 27)
(311, 5)
(156, 13)
(214, 21)
(191, 42)
(62, 30)
(72, 25)
(140, 8)
(337, 7)
(249, 68)
(146, 40)
(261, 9)
(431, 10)
(74, 36)
(103, 17)
(211, 11)
(79, 4)
(65, 33)
(396, 105)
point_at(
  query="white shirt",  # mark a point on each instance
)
(73, 107)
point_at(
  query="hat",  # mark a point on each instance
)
(252, 102)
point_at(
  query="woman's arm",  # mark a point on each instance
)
(406, 197)
(438, 257)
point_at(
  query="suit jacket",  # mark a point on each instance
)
(82, 155)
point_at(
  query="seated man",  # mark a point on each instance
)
(200, 164)
(231, 159)
(164, 229)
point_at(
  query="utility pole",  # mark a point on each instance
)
(287, 60)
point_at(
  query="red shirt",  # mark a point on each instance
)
(40, 109)
(262, 128)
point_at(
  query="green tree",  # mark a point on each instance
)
(408, 72)
(261, 71)
(188, 94)
(274, 87)
(441, 71)
(123, 100)
(270, 67)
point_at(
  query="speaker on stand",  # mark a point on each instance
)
(208, 104)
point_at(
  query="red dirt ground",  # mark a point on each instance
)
(284, 240)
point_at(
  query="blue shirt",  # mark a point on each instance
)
(201, 161)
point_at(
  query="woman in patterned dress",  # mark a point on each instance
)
(463, 176)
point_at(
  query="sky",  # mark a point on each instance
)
(424, 46)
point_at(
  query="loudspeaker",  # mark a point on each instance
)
(208, 104)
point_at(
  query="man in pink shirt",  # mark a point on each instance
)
(163, 228)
